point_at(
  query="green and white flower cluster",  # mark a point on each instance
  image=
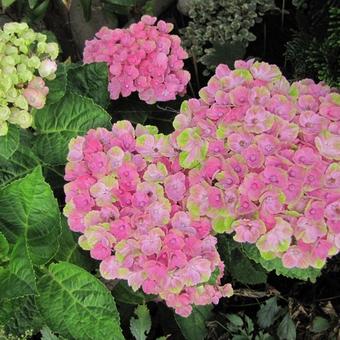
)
(26, 59)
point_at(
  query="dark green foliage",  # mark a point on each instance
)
(314, 49)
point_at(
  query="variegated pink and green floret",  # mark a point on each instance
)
(134, 205)
(265, 155)
(144, 57)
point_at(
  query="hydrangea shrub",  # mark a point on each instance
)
(130, 199)
(26, 60)
(143, 58)
(271, 160)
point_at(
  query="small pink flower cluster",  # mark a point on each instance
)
(127, 196)
(36, 92)
(143, 58)
(266, 153)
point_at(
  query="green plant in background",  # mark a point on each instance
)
(220, 30)
(32, 9)
(314, 50)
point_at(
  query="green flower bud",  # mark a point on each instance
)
(3, 128)
(41, 47)
(12, 93)
(21, 102)
(34, 62)
(15, 27)
(52, 49)
(25, 120)
(40, 37)
(4, 112)
(6, 82)
(11, 50)
(8, 61)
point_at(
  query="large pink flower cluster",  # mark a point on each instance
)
(266, 154)
(128, 197)
(143, 58)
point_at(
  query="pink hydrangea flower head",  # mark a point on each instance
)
(131, 201)
(272, 156)
(143, 58)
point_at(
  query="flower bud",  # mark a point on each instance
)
(34, 98)
(21, 102)
(4, 113)
(53, 50)
(47, 68)
(3, 128)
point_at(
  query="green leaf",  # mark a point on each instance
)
(10, 142)
(4, 247)
(7, 308)
(213, 277)
(194, 326)
(46, 334)
(25, 316)
(6, 3)
(241, 268)
(57, 86)
(57, 123)
(140, 326)
(69, 250)
(32, 3)
(77, 305)
(132, 109)
(223, 54)
(125, 3)
(40, 11)
(30, 213)
(86, 5)
(286, 329)
(18, 278)
(319, 324)
(122, 292)
(90, 80)
(268, 312)
(235, 319)
(22, 162)
(276, 264)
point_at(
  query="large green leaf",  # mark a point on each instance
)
(57, 86)
(241, 268)
(57, 123)
(69, 250)
(295, 273)
(194, 326)
(30, 213)
(77, 305)
(91, 81)
(10, 142)
(18, 278)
